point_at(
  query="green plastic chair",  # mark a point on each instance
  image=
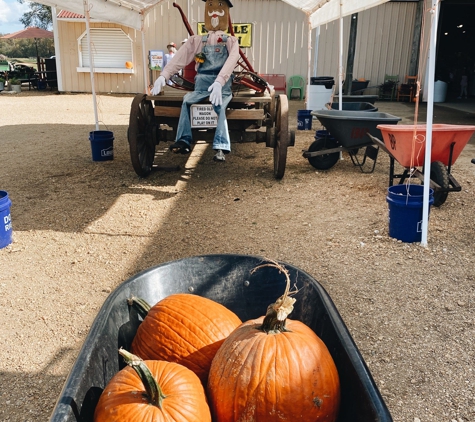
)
(296, 82)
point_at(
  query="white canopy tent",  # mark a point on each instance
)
(132, 13)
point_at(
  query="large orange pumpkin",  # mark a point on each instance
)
(155, 391)
(274, 369)
(187, 329)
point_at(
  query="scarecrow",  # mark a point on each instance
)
(216, 55)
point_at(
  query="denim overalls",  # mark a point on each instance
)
(216, 56)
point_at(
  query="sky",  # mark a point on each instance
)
(10, 13)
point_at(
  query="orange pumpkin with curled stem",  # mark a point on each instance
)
(155, 391)
(274, 369)
(184, 328)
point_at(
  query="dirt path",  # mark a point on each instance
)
(81, 228)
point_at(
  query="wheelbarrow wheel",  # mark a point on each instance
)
(324, 161)
(142, 135)
(282, 136)
(439, 175)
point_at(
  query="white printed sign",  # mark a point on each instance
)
(203, 116)
(7, 220)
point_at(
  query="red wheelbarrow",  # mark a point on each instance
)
(406, 145)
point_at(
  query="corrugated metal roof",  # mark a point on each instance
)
(64, 14)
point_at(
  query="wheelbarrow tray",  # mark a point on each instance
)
(349, 128)
(399, 141)
(358, 98)
(226, 279)
(352, 106)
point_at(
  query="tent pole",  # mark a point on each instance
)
(340, 64)
(309, 46)
(430, 117)
(317, 40)
(91, 61)
(144, 57)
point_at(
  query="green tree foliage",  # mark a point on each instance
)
(39, 15)
(25, 48)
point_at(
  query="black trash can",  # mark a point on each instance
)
(328, 81)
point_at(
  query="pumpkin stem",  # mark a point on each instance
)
(140, 305)
(154, 392)
(278, 312)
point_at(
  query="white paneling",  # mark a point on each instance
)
(383, 43)
(279, 43)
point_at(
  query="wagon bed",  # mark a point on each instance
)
(251, 117)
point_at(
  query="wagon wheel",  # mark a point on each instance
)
(270, 110)
(282, 135)
(324, 161)
(142, 135)
(440, 175)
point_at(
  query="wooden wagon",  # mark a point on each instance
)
(255, 114)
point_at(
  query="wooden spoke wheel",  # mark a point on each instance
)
(269, 109)
(281, 135)
(142, 135)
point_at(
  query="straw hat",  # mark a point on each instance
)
(171, 44)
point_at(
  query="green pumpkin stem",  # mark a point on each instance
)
(277, 313)
(154, 392)
(140, 305)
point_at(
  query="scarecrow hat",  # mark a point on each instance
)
(227, 1)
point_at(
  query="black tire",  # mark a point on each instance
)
(439, 175)
(325, 161)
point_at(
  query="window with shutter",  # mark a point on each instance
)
(111, 49)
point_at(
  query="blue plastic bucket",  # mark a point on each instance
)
(102, 145)
(322, 134)
(5, 220)
(405, 211)
(304, 120)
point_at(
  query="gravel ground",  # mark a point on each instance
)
(80, 228)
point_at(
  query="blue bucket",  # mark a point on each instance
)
(102, 145)
(304, 120)
(323, 134)
(5, 219)
(405, 211)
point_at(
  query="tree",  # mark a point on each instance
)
(39, 15)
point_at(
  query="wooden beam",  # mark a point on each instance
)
(239, 114)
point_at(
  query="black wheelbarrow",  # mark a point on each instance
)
(226, 279)
(346, 130)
